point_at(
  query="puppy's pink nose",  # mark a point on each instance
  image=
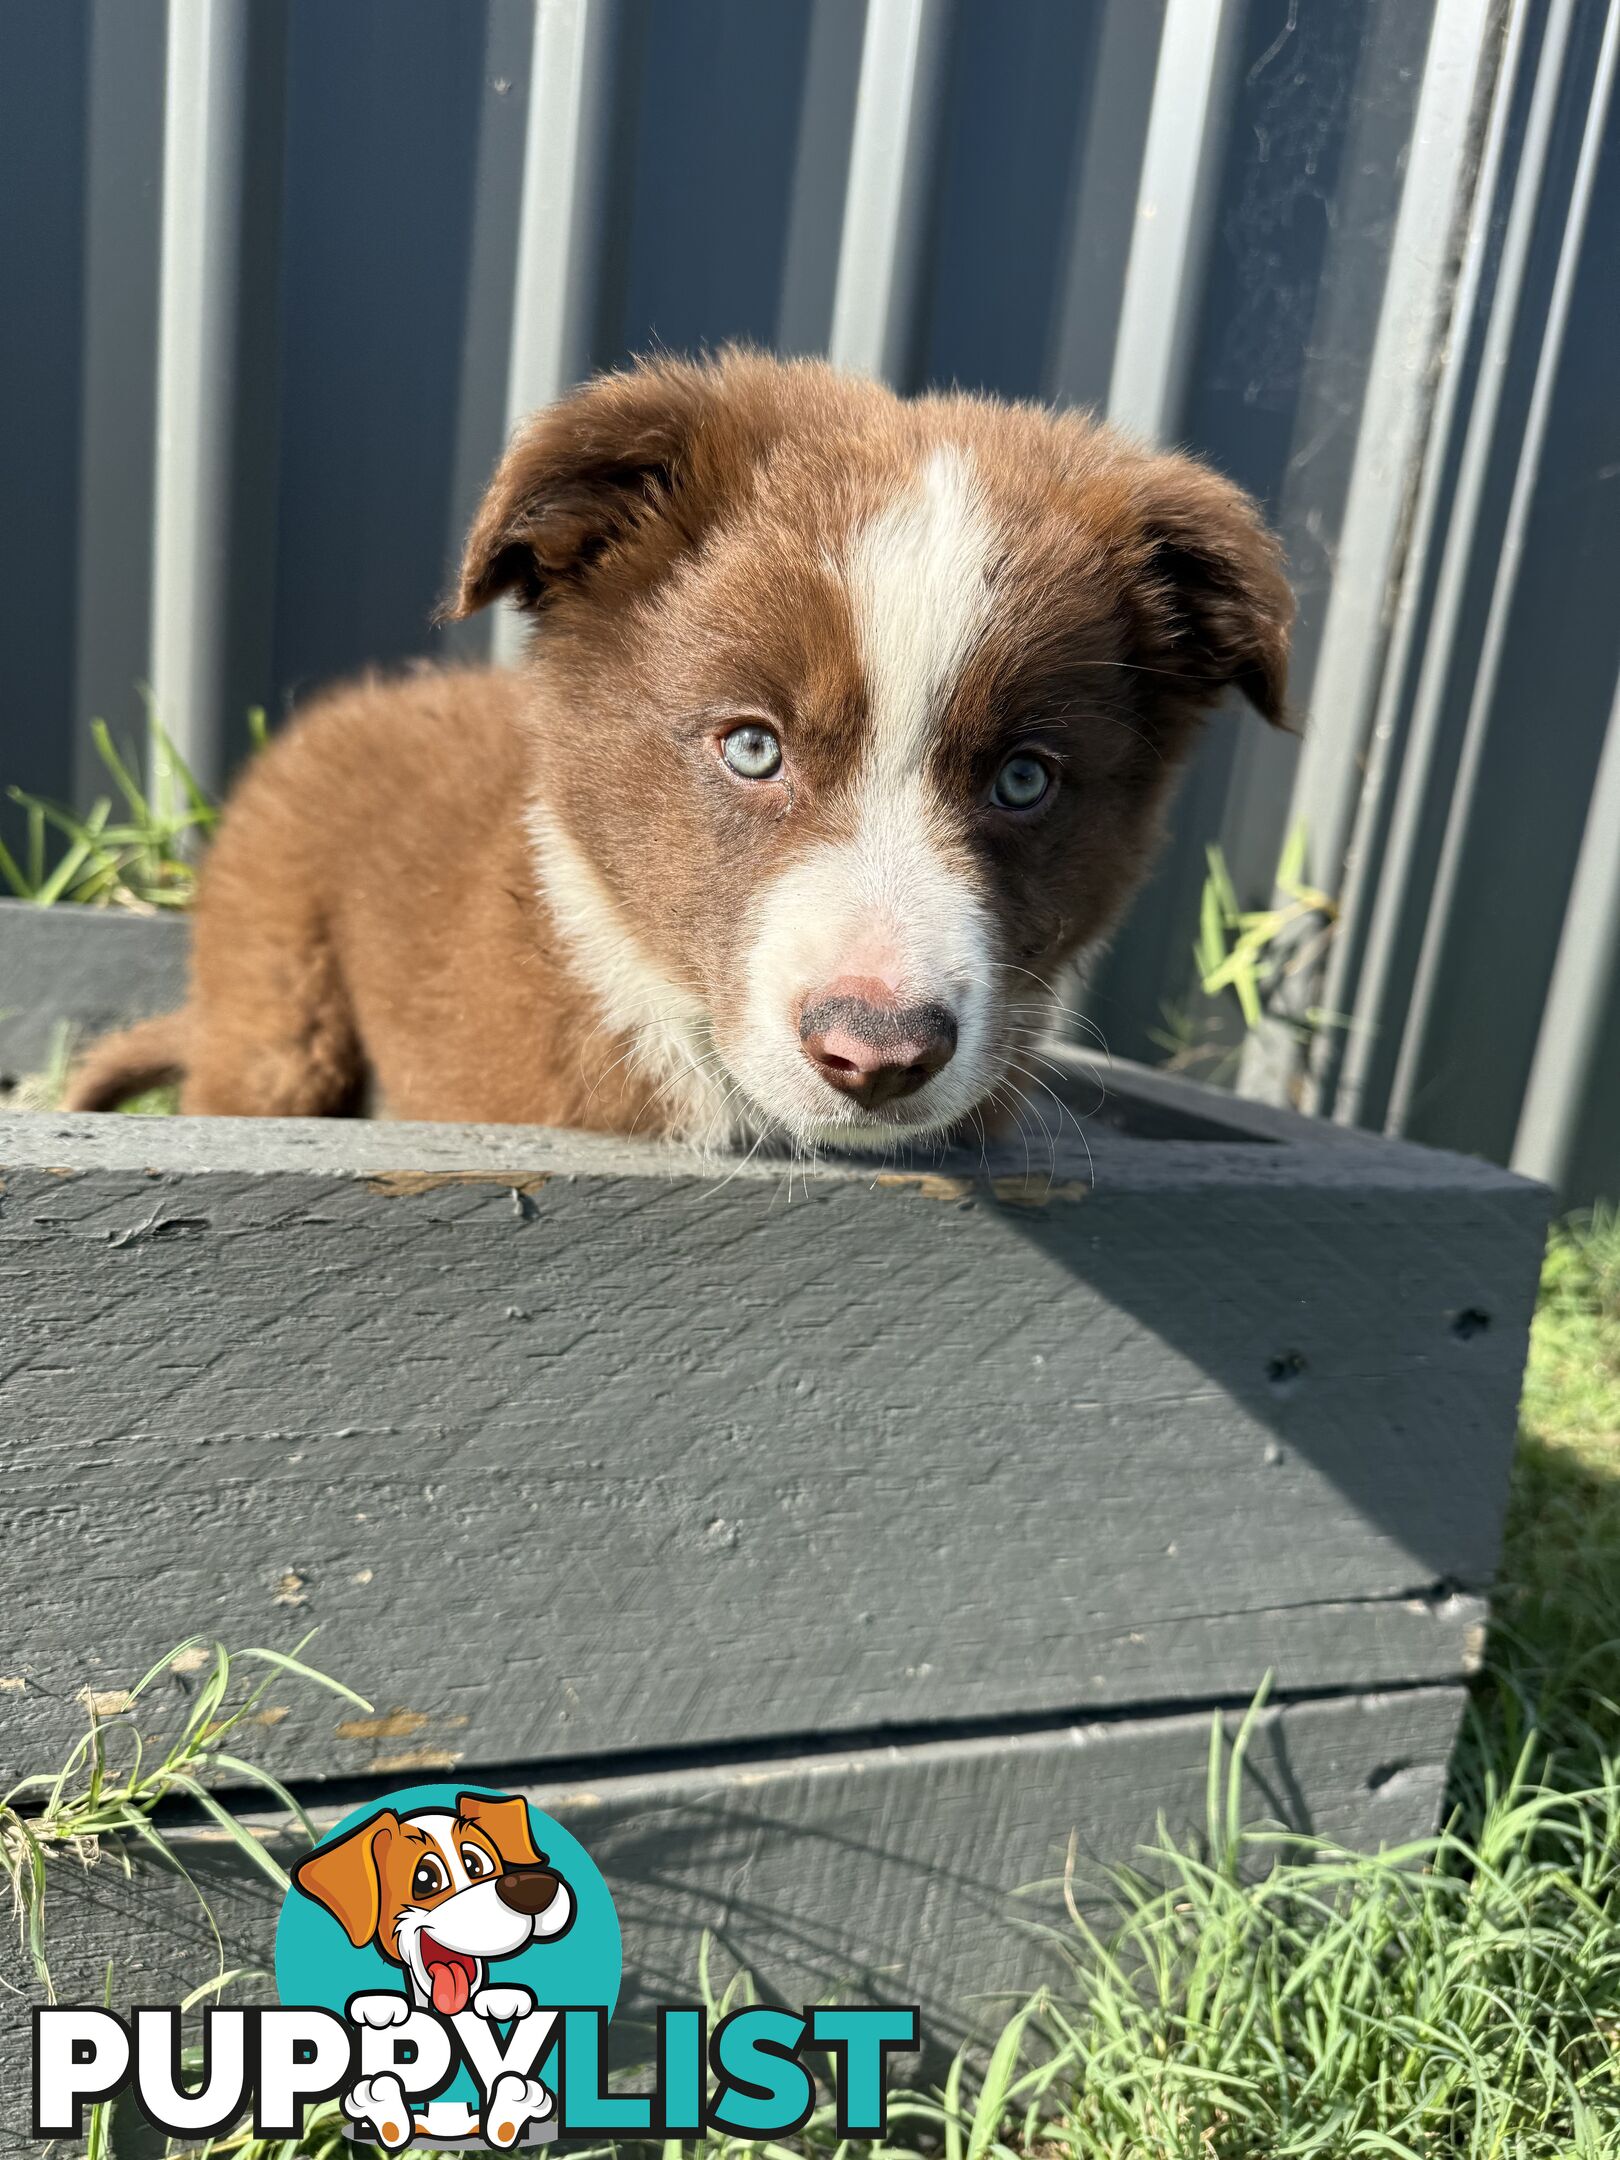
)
(866, 1043)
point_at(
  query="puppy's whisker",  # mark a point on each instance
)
(1026, 1054)
(740, 1164)
(1019, 1098)
(1050, 1018)
(984, 1139)
(1068, 1111)
(1063, 1012)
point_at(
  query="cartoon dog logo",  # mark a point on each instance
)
(442, 1894)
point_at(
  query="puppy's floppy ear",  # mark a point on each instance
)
(505, 1823)
(1213, 607)
(611, 462)
(346, 1877)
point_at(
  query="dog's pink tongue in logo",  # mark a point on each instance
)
(450, 1975)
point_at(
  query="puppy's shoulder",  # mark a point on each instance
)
(372, 768)
(428, 713)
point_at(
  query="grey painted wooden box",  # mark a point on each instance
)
(828, 1554)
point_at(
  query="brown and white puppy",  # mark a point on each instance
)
(846, 723)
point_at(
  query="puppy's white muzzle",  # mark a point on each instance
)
(887, 908)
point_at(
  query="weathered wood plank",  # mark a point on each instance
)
(888, 1873)
(92, 969)
(574, 1447)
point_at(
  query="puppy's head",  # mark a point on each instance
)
(441, 1892)
(854, 718)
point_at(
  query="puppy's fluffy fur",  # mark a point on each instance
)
(551, 896)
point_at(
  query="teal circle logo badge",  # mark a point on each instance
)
(450, 1926)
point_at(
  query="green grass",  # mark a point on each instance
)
(135, 848)
(1560, 1613)
(1458, 1996)
(1252, 969)
(44, 1090)
(104, 1798)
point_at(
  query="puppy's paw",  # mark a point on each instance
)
(379, 2010)
(381, 2102)
(514, 2102)
(503, 2003)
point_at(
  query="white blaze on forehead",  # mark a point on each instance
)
(896, 899)
(918, 577)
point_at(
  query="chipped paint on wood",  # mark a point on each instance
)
(412, 1184)
(929, 1184)
(106, 1702)
(392, 1725)
(1027, 1191)
(1038, 1192)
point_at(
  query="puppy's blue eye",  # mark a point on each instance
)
(752, 751)
(1021, 783)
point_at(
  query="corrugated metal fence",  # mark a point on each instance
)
(278, 274)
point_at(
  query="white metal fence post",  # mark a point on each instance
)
(203, 179)
(890, 171)
(560, 226)
(1164, 279)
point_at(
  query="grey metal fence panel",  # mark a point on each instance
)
(1497, 691)
(1427, 589)
(1019, 103)
(1534, 733)
(1343, 756)
(1449, 634)
(44, 100)
(1298, 255)
(280, 278)
(383, 107)
(1568, 1113)
(117, 445)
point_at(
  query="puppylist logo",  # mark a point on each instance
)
(447, 1963)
